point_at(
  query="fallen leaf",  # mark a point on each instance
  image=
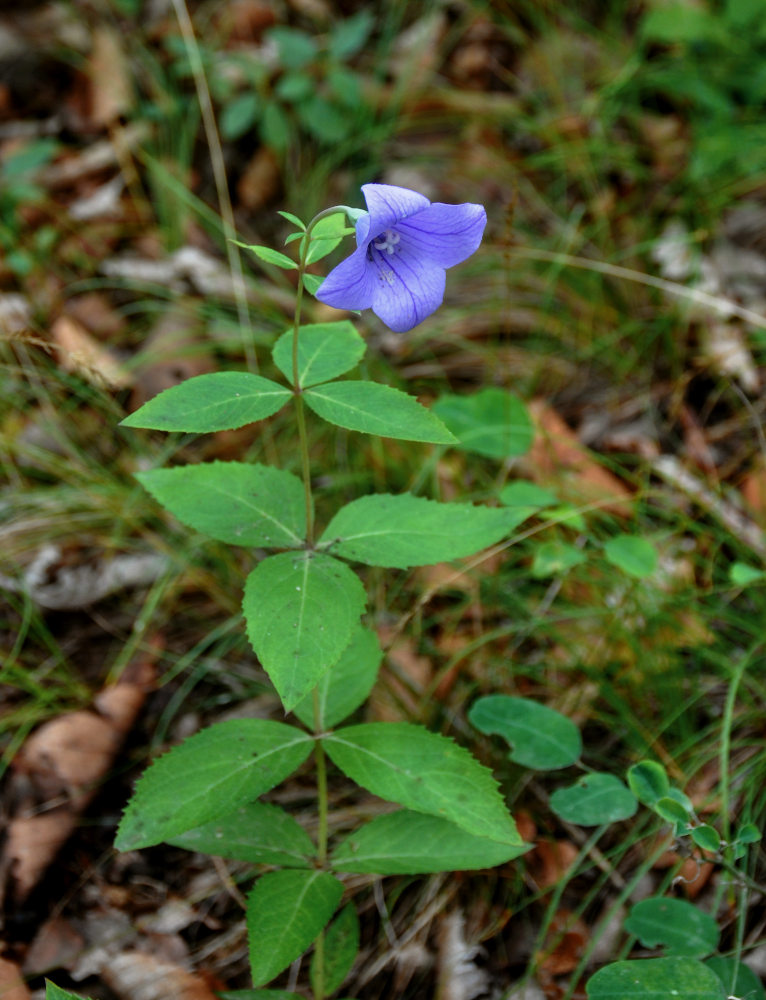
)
(557, 459)
(564, 944)
(68, 579)
(12, 985)
(551, 860)
(136, 976)
(31, 843)
(58, 770)
(404, 676)
(111, 86)
(81, 354)
(56, 945)
(261, 180)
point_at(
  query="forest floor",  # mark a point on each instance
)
(619, 294)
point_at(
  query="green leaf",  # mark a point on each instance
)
(293, 87)
(741, 574)
(256, 832)
(671, 810)
(325, 350)
(239, 115)
(345, 686)
(269, 255)
(674, 924)
(292, 218)
(341, 945)
(655, 979)
(555, 559)
(348, 37)
(276, 131)
(540, 737)
(301, 610)
(521, 493)
(232, 501)
(219, 769)
(748, 834)
(738, 979)
(410, 843)
(648, 781)
(634, 556)
(423, 771)
(53, 992)
(706, 837)
(326, 235)
(285, 912)
(326, 122)
(405, 530)
(296, 48)
(312, 282)
(216, 402)
(595, 799)
(492, 422)
(258, 995)
(376, 409)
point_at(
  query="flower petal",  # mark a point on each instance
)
(387, 205)
(350, 285)
(406, 290)
(444, 234)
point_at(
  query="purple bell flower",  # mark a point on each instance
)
(404, 245)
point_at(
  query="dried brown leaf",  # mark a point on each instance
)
(136, 976)
(31, 844)
(557, 459)
(12, 985)
(111, 94)
(80, 353)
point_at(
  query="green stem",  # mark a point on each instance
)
(319, 755)
(300, 414)
(322, 804)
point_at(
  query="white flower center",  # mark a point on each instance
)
(387, 242)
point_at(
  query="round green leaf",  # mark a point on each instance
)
(655, 979)
(238, 503)
(674, 924)
(634, 556)
(285, 912)
(706, 837)
(595, 799)
(738, 979)
(492, 422)
(325, 350)
(218, 401)
(671, 810)
(540, 737)
(301, 609)
(648, 781)
(411, 843)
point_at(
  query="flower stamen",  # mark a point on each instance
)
(387, 241)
